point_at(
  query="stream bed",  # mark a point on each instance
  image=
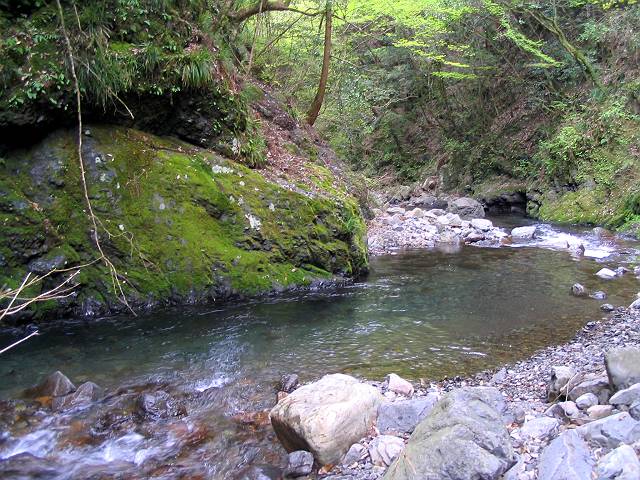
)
(211, 373)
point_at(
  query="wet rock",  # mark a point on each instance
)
(482, 224)
(597, 385)
(524, 233)
(299, 463)
(154, 405)
(540, 428)
(598, 295)
(623, 367)
(566, 458)
(402, 416)
(355, 453)
(326, 417)
(607, 307)
(384, 449)
(464, 420)
(259, 472)
(597, 412)
(586, 400)
(619, 464)
(559, 377)
(578, 290)
(627, 397)
(397, 384)
(55, 385)
(86, 394)
(288, 383)
(474, 237)
(467, 208)
(606, 273)
(611, 431)
(621, 271)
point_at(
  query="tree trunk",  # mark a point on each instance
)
(314, 110)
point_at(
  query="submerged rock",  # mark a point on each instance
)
(86, 393)
(463, 438)
(326, 417)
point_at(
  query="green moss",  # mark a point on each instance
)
(178, 221)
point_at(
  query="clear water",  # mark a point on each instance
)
(421, 314)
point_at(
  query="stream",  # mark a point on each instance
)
(187, 389)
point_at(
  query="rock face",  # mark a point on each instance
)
(326, 417)
(566, 458)
(464, 421)
(467, 208)
(623, 367)
(403, 416)
(55, 385)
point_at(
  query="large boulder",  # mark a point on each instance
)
(524, 233)
(467, 208)
(55, 385)
(611, 431)
(619, 464)
(623, 367)
(566, 458)
(326, 417)
(463, 438)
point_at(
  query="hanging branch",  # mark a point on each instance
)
(15, 344)
(117, 285)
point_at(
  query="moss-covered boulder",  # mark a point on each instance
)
(181, 224)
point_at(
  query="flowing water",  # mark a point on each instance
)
(421, 314)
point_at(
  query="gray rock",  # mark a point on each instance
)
(623, 367)
(558, 380)
(634, 410)
(463, 438)
(578, 290)
(42, 266)
(563, 410)
(55, 385)
(326, 417)
(596, 412)
(598, 295)
(607, 307)
(611, 431)
(566, 458)
(587, 400)
(627, 397)
(467, 208)
(355, 453)
(288, 383)
(620, 464)
(402, 416)
(524, 233)
(540, 428)
(299, 463)
(482, 224)
(606, 274)
(86, 393)
(384, 449)
(599, 386)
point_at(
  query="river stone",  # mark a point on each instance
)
(607, 307)
(623, 367)
(587, 400)
(463, 438)
(619, 464)
(55, 385)
(599, 386)
(355, 453)
(539, 428)
(394, 210)
(288, 383)
(559, 377)
(86, 393)
(596, 412)
(299, 463)
(397, 384)
(627, 397)
(598, 295)
(402, 416)
(326, 417)
(524, 233)
(467, 208)
(611, 431)
(482, 224)
(606, 273)
(578, 290)
(566, 458)
(384, 449)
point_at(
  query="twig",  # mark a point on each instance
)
(19, 342)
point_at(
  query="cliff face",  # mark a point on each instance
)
(181, 224)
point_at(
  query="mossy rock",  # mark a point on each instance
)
(181, 224)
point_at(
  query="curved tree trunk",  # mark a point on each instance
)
(314, 109)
